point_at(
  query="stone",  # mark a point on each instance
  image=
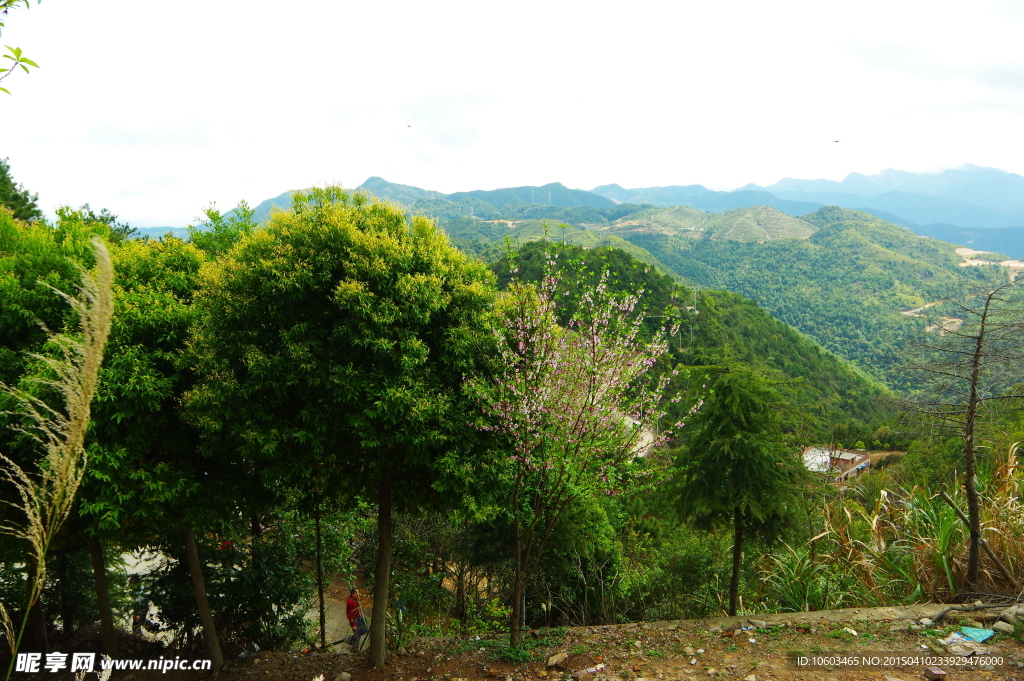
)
(1003, 627)
(556, 659)
(758, 624)
(343, 676)
(715, 630)
(988, 668)
(934, 673)
(688, 650)
(1009, 615)
(926, 621)
(749, 677)
(712, 672)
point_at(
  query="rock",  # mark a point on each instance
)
(926, 621)
(343, 676)
(637, 644)
(893, 678)
(749, 677)
(672, 627)
(758, 624)
(715, 630)
(934, 673)
(582, 675)
(556, 659)
(987, 668)
(1003, 627)
(688, 650)
(1009, 615)
(712, 671)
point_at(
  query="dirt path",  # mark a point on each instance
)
(760, 648)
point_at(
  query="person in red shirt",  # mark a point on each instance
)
(355, 617)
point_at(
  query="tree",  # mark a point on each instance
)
(736, 469)
(970, 365)
(577, 405)
(332, 347)
(15, 197)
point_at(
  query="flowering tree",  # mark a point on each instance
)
(577, 405)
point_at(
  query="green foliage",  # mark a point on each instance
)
(340, 332)
(735, 460)
(20, 61)
(218, 232)
(15, 197)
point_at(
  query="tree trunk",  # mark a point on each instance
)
(199, 591)
(737, 560)
(381, 574)
(517, 592)
(320, 578)
(99, 577)
(973, 505)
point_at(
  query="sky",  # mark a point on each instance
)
(155, 110)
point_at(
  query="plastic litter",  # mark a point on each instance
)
(979, 635)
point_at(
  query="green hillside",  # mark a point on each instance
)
(823, 389)
(761, 223)
(847, 285)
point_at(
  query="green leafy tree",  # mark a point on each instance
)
(578, 405)
(736, 469)
(15, 197)
(333, 345)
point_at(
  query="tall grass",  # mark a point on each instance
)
(45, 497)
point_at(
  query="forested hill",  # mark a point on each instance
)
(829, 398)
(848, 285)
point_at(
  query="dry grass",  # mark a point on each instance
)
(46, 496)
(905, 546)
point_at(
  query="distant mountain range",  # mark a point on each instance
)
(982, 208)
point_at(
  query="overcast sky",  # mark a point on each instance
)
(155, 109)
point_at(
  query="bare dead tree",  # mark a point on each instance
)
(969, 365)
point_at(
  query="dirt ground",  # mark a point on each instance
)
(697, 650)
